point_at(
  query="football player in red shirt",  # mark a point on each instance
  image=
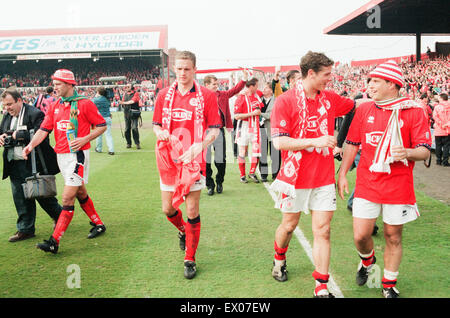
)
(393, 133)
(303, 129)
(190, 113)
(79, 113)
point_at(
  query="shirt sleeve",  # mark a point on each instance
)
(157, 113)
(47, 124)
(238, 105)
(213, 119)
(136, 97)
(342, 105)
(280, 119)
(354, 132)
(420, 131)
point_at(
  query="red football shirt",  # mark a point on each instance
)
(366, 129)
(57, 118)
(241, 107)
(316, 170)
(183, 116)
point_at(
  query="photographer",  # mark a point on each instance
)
(15, 128)
(131, 111)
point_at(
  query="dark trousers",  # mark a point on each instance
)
(220, 160)
(233, 139)
(131, 128)
(26, 208)
(275, 155)
(442, 148)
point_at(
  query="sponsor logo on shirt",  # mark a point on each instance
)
(62, 125)
(283, 123)
(373, 138)
(193, 102)
(179, 114)
(371, 120)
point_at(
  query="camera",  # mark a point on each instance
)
(9, 141)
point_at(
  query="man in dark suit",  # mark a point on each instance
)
(15, 128)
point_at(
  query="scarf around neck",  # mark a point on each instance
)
(284, 185)
(73, 100)
(392, 135)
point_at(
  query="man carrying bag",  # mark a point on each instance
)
(15, 129)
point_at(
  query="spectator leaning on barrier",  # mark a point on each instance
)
(103, 106)
(15, 129)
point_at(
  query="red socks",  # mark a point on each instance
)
(177, 221)
(63, 222)
(367, 259)
(192, 238)
(321, 281)
(241, 161)
(255, 161)
(88, 207)
(280, 253)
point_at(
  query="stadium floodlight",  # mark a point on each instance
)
(14, 62)
(37, 61)
(59, 61)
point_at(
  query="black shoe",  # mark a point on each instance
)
(439, 163)
(189, 269)
(390, 292)
(375, 230)
(279, 272)
(111, 153)
(96, 150)
(128, 146)
(264, 179)
(253, 177)
(96, 230)
(210, 191)
(329, 295)
(49, 246)
(182, 238)
(244, 180)
(446, 164)
(138, 146)
(363, 273)
(219, 188)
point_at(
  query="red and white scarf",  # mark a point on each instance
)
(182, 175)
(392, 135)
(287, 176)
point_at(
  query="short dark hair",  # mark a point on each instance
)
(208, 79)
(101, 90)
(314, 61)
(252, 82)
(13, 92)
(444, 96)
(49, 90)
(291, 74)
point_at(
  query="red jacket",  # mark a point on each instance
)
(223, 99)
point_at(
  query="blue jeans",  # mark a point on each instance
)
(350, 199)
(108, 137)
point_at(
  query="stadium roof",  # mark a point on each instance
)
(396, 17)
(70, 40)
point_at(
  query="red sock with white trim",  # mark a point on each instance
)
(177, 221)
(389, 279)
(63, 222)
(321, 283)
(280, 253)
(88, 207)
(192, 238)
(241, 161)
(255, 161)
(367, 259)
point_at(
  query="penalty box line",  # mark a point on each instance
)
(332, 286)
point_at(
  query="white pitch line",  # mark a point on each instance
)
(332, 286)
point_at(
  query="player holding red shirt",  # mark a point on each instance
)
(74, 166)
(302, 127)
(384, 181)
(191, 114)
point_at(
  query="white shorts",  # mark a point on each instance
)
(67, 162)
(393, 214)
(197, 186)
(244, 137)
(317, 199)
